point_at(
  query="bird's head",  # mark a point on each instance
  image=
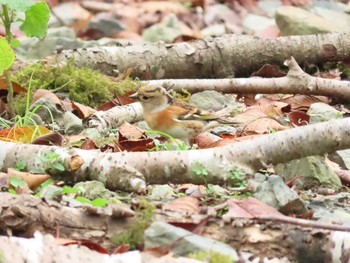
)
(152, 98)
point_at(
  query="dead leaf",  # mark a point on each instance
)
(257, 121)
(298, 118)
(51, 138)
(83, 111)
(16, 87)
(186, 204)
(269, 71)
(44, 93)
(130, 131)
(33, 180)
(303, 102)
(24, 134)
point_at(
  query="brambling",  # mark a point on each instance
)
(164, 113)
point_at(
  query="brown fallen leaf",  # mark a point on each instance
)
(33, 180)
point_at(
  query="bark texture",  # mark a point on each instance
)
(296, 82)
(300, 240)
(225, 56)
(131, 171)
(22, 215)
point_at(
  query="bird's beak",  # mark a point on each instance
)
(134, 96)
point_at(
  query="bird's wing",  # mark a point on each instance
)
(184, 111)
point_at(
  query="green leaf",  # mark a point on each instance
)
(12, 191)
(21, 165)
(15, 42)
(37, 17)
(69, 190)
(99, 202)
(83, 199)
(16, 181)
(7, 55)
(58, 166)
(18, 5)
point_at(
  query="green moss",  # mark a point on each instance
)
(84, 85)
(211, 256)
(134, 234)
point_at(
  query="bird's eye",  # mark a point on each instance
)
(145, 98)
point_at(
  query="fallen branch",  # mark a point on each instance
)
(131, 170)
(22, 215)
(220, 57)
(296, 82)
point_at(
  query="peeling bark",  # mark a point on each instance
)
(296, 82)
(22, 215)
(115, 117)
(131, 171)
(262, 237)
(220, 57)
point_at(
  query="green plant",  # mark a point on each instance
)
(15, 182)
(34, 25)
(134, 234)
(161, 146)
(96, 202)
(21, 165)
(51, 161)
(211, 257)
(199, 169)
(236, 176)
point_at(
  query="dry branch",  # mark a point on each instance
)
(131, 170)
(22, 215)
(296, 82)
(221, 57)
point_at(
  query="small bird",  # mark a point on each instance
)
(164, 113)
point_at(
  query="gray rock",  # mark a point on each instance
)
(72, 123)
(94, 189)
(278, 195)
(46, 109)
(333, 208)
(70, 13)
(314, 171)
(61, 32)
(107, 26)
(161, 192)
(345, 156)
(253, 23)
(343, 19)
(214, 30)
(320, 112)
(211, 99)
(50, 192)
(167, 30)
(296, 21)
(161, 234)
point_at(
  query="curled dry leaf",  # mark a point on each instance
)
(186, 204)
(83, 111)
(130, 131)
(269, 71)
(298, 118)
(257, 121)
(44, 93)
(248, 208)
(16, 87)
(33, 180)
(52, 138)
(303, 102)
(206, 139)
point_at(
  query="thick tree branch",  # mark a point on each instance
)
(131, 170)
(296, 82)
(225, 56)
